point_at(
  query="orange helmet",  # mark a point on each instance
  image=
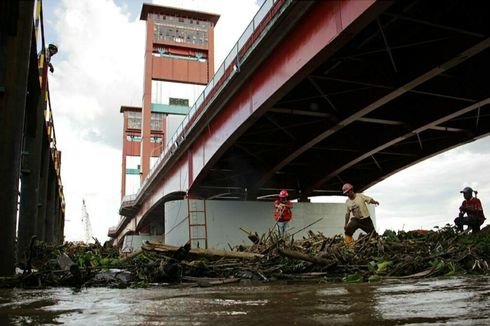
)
(283, 193)
(346, 188)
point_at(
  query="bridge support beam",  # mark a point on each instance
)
(50, 202)
(43, 190)
(30, 177)
(16, 34)
(60, 226)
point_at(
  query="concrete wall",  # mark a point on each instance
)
(176, 230)
(132, 243)
(224, 219)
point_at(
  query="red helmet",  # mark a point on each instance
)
(283, 193)
(346, 188)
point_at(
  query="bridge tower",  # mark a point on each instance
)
(179, 62)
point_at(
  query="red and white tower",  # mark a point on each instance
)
(179, 62)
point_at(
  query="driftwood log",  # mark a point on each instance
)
(198, 252)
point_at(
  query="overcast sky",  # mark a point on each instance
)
(99, 67)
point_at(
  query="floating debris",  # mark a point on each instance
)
(315, 257)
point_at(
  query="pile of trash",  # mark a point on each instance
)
(313, 258)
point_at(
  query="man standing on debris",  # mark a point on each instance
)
(282, 211)
(356, 206)
(473, 209)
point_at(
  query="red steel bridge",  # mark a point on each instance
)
(318, 93)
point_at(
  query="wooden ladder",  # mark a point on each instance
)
(198, 228)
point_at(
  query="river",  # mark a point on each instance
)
(438, 301)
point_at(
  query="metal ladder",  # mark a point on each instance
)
(198, 228)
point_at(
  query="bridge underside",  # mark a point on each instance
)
(412, 83)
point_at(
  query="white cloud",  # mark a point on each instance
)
(101, 67)
(90, 171)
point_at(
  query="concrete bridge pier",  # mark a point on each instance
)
(50, 202)
(15, 48)
(30, 174)
(43, 190)
(59, 224)
(40, 202)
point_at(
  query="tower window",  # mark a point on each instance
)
(134, 120)
(156, 139)
(133, 138)
(157, 121)
(178, 101)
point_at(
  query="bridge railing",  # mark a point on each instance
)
(230, 66)
(129, 198)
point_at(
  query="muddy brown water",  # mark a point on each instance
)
(441, 301)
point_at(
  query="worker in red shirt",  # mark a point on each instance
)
(282, 211)
(473, 209)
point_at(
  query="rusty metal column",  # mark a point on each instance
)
(16, 27)
(43, 188)
(30, 177)
(50, 202)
